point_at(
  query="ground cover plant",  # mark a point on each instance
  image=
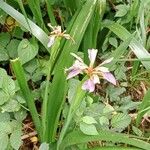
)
(74, 74)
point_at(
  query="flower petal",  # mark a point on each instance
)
(95, 79)
(109, 77)
(51, 41)
(107, 61)
(80, 65)
(88, 85)
(73, 72)
(102, 69)
(92, 56)
(77, 57)
(57, 29)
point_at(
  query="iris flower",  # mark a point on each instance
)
(57, 32)
(94, 73)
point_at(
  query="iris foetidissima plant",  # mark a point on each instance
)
(94, 73)
(57, 32)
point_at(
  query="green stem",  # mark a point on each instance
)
(20, 75)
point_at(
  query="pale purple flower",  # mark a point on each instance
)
(94, 73)
(57, 32)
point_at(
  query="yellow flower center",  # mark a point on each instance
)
(89, 71)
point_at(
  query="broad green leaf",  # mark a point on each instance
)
(120, 121)
(36, 31)
(144, 107)
(9, 86)
(26, 51)
(4, 39)
(20, 115)
(104, 121)
(135, 45)
(11, 106)
(3, 141)
(15, 125)
(121, 10)
(4, 117)
(114, 93)
(5, 127)
(31, 66)
(3, 54)
(15, 139)
(4, 97)
(89, 120)
(77, 137)
(12, 48)
(113, 41)
(88, 129)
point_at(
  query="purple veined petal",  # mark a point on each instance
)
(109, 77)
(92, 56)
(101, 69)
(77, 57)
(88, 85)
(106, 61)
(51, 41)
(73, 72)
(95, 79)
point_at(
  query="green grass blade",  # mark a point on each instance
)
(24, 12)
(77, 137)
(114, 148)
(50, 13)
(70, 5)
(20, 75)
(52, 63)
(35, 30)
(93, 28)
(36, 10)
(119, 51)
(135, 45)
(144, 107)
(99, 12)
(58, 90)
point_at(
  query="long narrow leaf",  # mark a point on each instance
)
(50, 13)
(36, 10)
(77, 137)
(24, 12)
(114, 148)
(144, 107)
(58, 90)
(20, 75)
(135, 46)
